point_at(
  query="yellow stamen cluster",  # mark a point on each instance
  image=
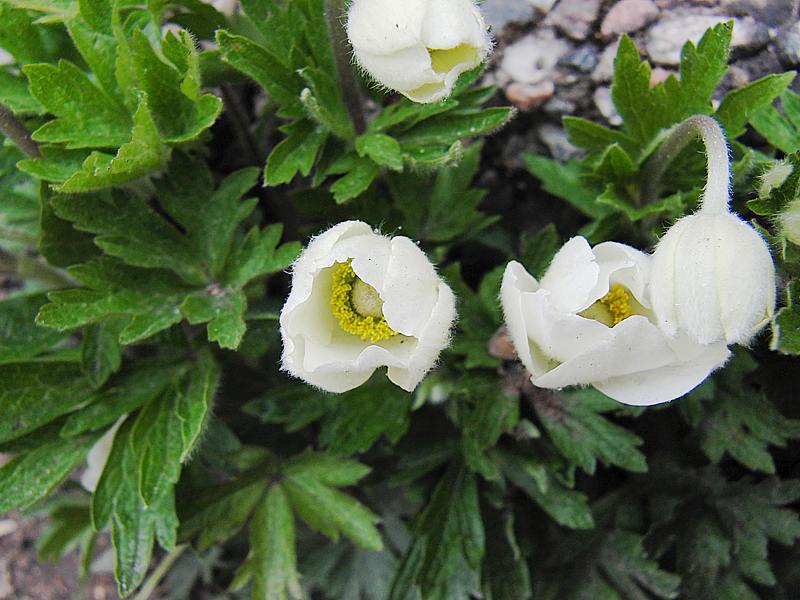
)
(368, 327)
(617, 300)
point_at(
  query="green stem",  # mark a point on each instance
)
(716, 195)
(16, 132)
(155, 577)
(351, 93)
(30, 268)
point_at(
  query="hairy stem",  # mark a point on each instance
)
(16, 132)
(334, 13)
(27, 267)
(717, 191)
(155, 577)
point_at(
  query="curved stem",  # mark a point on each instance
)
(28, 267)
(716, 195)
(16, 132)
(351, 93)
(155, 577)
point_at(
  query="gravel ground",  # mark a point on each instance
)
(553, 58)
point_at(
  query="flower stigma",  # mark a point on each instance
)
(613, 308)
(357, 305)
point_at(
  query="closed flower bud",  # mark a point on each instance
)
(417, 47)
(790, 222)
(713, 277)
(360, 301)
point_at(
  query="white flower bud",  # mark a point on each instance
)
(360, 301)
(713, 277)
(417, 47)
(790, 222)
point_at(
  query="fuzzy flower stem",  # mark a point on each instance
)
(334, 12)
(717, 192)
(16, 132)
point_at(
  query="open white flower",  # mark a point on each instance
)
(417, 47)
(589, 322)
(359, 301)
(713, 278)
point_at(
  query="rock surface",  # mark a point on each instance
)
(533, 58)
(627, 16)
(575, 17)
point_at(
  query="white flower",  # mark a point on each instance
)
(417, 47)
(359, 301)
(589, 322)
(97, 458)
(713, 277)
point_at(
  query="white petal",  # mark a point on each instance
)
(449, 23)
(624, 265)
(98, 457)
(431, 341)
(571, 276)
(634, 345)
(665, 383)
(385, 26)
(405, 70)
(662, 281)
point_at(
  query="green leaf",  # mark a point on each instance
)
(20, 37)
(323, 102)
(739, 106)
(310, 486)
(295, 154)
(266, 69)
(591, 136)
(787, 322)
(272, 553)
(449, 541)
(15, 95)
(134, 524)
(356, 181)
(427, 201)
(20, 338)
(505, 572)
(85, 116)
(537, 250)
(101, 355)
(451, 127)
(362, 415)
(574, 423)
(36, 393)
(344, 572)
(536, 478)
(143, 154)
(381, 148)
(167, 428)
(739, 419)
(222, 309)
(564, 181)
(29, 477)
(258, 254)
(135, 385)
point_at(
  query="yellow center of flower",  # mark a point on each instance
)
(616, 306)
(358, 306)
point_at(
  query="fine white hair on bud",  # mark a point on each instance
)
(360, 301)
(417, 47)
(713, 277)
(790, 222)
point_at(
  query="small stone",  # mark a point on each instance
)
(584, 58)
(788, 45)
(666, 38)
(527, 97)
(559, 106)
(556, 140)
(543, 6)
(499, 13)
(659, 75)
(501, 346)
(575, 17)
(604, 103)
(627, 16)
(773, 13)
(8, 526)
(533, 58)
(605, 66)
